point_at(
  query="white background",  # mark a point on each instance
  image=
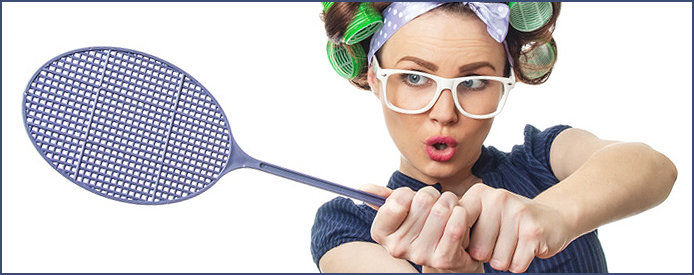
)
(623, 73)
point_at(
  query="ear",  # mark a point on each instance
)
(373, 82)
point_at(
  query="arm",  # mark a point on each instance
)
(603, 181)
(362, 257)
(600, 181)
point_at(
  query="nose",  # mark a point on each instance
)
(444, 111)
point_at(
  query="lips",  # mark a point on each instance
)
(441, 148)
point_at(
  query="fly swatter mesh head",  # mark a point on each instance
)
(127, 125)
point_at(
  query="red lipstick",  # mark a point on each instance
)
(441, 148)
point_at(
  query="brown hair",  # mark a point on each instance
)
(338, 17)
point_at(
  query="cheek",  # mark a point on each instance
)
(403, 128)
(475, 132)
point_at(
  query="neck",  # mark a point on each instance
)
(458, 182)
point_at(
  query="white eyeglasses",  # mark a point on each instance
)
(414, 92)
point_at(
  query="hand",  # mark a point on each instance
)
(426, 227)
(510, 230)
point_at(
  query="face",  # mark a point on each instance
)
(440, 43)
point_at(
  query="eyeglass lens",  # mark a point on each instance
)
(414, 91)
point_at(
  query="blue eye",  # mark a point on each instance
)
(473, 83)
(415, 79)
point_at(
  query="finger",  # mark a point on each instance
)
(472, 202)
(376, 190)
(485, 232)
(427, 241)
(451, 244)
(523, 256)
(421, 205)
(505, 244)
(392, 213)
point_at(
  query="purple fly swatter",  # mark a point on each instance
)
(132, 127)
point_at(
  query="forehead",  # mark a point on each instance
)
(443, 37)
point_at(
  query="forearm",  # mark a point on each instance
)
(362, 257)
(427, 269)
(617, 181)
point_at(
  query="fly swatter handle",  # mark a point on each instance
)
(322, 184)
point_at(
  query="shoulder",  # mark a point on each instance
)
(526, 169)
(533, 152)
(536, 145)
(339, 221)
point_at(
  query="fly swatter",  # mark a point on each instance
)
(132, 127)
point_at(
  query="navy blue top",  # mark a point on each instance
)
(525, 171)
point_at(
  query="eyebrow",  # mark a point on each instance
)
(433, 67)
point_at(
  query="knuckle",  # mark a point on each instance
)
(499, 196)
(449, 197)
(531, 232)
(403, 190)
(520, 211)
(419, 258)
(430, 191)
(399, 194)
(423, 199)
(543, 251)
(440, 210)
(402, 195)
(394, 208)
(457, 231)
(477, 187)
(399, 198)
(395, 250)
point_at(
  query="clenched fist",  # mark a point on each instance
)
(425, 227)
(510, 230)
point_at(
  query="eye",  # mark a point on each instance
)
(473, 83)
(415, 79)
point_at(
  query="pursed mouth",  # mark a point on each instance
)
(441, 142)
(441, 148)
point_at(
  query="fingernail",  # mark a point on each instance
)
(475, 253)
(514, 268)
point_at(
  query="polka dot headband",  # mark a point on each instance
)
(397, 14)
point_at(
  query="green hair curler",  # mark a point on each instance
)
(538, 62)
(529, 16)
(365, 22)
(347, 60)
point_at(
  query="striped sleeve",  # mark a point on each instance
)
(339, 221)
(533, 155)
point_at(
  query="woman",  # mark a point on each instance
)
(455, 205)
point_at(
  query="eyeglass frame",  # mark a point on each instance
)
(441, 84)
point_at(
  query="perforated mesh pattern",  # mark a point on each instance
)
(127, 126)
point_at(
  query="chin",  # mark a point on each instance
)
(439, 170)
